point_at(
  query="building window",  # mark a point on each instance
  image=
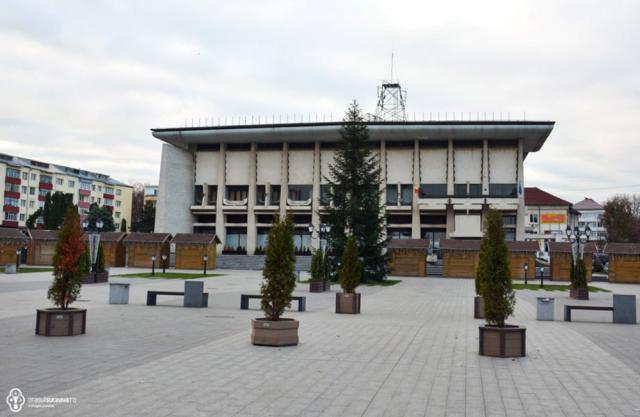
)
(32, 190)
(433, 190)
(13, 173)
(93, 187)
(21, 217)
(108, 190)
(118, 203)
(13, 202)
(43, 192)
(533, 218)
(46, 179)
(12, 187)
(99, 188)
(23, 203)
(108, 202)
(117, 226)
(261, 194)
(71, 184)
(23, 189)
(40, 204)
(503, 190)
(93, 199)
(99, 200)
(59, 181)
(198, 195)
(509, 220)
(117, 216)
(467, 190)
(325, 194)
(31, 203)
(25, 176)
(237, 192)
(33, 177)
(118, 191)
(300, 192)
(212, 194)
(85, 186)
(399, 233)
(11, 216)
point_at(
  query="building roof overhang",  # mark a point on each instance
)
(533, 133)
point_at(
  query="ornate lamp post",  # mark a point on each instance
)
(323, 229)
(578, 240)
(164, 262)
(94, 241)
(18, 252)
(153, 265)
(526, 269)
(205, 258)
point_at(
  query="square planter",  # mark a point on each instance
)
(579, 293)
(88, 278)
(503, 342)
(316, 286)
(347, 303)
(478, 307)
(101, 276)
(59, 322)
(118, 293)
(283, 332)
(10, 269)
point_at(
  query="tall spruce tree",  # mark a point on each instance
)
(357, 210)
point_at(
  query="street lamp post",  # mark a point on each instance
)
(18, 252)
(153, 265)
(542, 277)
(94, 241)
(164, 261)
(578, 239)
(205, 258)
(323, 229)
(526, 269)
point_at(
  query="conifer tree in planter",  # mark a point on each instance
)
(68, 270)
(349, 274)
(316, 284)
(326, 270)
(101, 274)
(84, 264)
(578, 289)
(496, 337)
(279, 281)
(478, 302)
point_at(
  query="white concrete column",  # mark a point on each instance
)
(415, 209)
(284, 175)
(175, 191)
(485, 167)
(451, 220)
(383, 183)
(251, 202)
(450, 167)
(205, 194)
(520, 190)
(315, 198)
(220, 229)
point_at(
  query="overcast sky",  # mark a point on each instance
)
(82, 82)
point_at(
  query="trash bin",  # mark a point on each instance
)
(118, 293)
(545, 310)
(10, 269)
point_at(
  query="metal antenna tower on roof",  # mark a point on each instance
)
(391, 100)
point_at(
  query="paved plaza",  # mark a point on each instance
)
(412, 352)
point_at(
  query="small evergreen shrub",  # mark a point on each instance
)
(578, 275)
(67, 268)
(279, 277)
(350, 272)
(494, 277)
(317, 266)
(100, 260)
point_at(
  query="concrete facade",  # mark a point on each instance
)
(438, 178)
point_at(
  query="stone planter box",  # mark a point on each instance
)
(119, 293)
(478, 307)
(503, 342)
(579, 293)
(317, 286)
(59, 322)
(545, 309)
(10, 269)
(88, 278)
(347, 303)
(283, 332)
(101, 276)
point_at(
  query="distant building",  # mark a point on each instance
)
(590, 214)
(546, 216)
(438, 178)
(151, 194)
(25, 183)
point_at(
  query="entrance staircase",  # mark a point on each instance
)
(256, 262)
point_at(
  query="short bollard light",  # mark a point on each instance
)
(18, 252)
(164, 262)
(153, 265)
(542, 277)
(205, 258)
(526, 269)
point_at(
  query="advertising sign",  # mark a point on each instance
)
(553, 218)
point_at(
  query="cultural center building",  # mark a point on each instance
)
(439, 178)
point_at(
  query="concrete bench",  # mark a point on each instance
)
(624, 309)
(152, 296)
(244, 301)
